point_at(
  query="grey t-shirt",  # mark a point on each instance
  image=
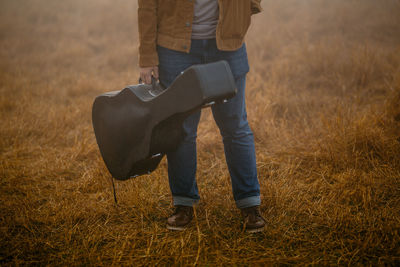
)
(205, 20)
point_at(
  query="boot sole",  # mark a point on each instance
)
(175, 228)
(257, 230)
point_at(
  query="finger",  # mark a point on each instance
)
(155, 72)
(147, 78)
(142, 77)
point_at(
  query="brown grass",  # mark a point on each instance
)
(323, 100)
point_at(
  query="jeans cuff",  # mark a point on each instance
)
(248, 202)
(184, 201)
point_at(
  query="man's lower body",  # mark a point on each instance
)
(231, 118)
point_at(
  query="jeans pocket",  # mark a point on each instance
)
(238, 61)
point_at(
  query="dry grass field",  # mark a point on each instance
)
(323, 98)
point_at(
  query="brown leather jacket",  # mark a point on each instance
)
(168, 24)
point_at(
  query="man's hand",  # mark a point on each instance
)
(147, 72)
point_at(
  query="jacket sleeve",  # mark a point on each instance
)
(255, 6)
(147, 26)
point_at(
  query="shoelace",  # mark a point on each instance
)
(185, 210)
(258, 214)
(255, 213)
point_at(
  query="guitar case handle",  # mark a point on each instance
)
(157, 86)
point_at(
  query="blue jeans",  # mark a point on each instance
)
(231, 118)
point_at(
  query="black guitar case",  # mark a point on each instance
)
(136, 126)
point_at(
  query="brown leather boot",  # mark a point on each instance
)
(181, 217)
(253, 221)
